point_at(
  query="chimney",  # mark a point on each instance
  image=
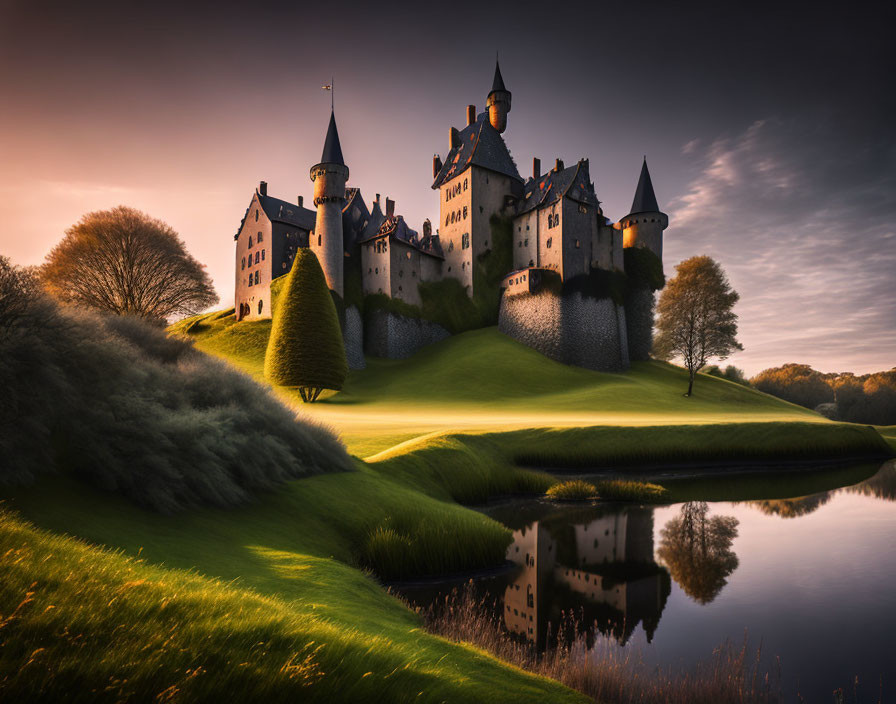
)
(436, 165)
(263, 188)
(427, 228)
(559, 165)
(377, 201)
(453, 138)
(301, 201)
(471, 114)
(390, 207)
(536, 168)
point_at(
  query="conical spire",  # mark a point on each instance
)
(498, 83)
(332, 150)
(645, 199)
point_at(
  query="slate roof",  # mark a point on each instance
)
(478, 144)
(355, 216)
(332, 153)
(645, 199)
(573, 182)
(397, 229)
(498, 83)
(290, 213)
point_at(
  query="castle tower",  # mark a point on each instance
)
(644, 225)
(329, 177)
(498, 102)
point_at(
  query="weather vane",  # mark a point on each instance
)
(329, 87)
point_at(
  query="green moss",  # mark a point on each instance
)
(305, 348)
(643, 269)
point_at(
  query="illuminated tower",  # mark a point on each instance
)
(498, 102)
(644, 225)
(329, 177)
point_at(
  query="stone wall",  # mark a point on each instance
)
(639, 305)
(570, 329)
(353, 337)
(397, 337)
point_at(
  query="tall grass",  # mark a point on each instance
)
(118, 403)
(601, 669)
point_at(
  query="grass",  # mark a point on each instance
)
(126, 630)
(451, 424)
(642, 492)
(572, 490)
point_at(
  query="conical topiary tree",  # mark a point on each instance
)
(305, 348)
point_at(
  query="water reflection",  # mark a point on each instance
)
(598, 567)
(697, 550)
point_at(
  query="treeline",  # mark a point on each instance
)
(866, 398)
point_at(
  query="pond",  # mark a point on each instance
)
(801, 563)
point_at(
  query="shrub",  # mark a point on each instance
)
(620, 490)
(731, 373)
(573, 490)
(305, 348)
(643, 269)
(115, 402)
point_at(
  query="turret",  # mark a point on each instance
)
(498, 102)
(329, 177)
(644, 225)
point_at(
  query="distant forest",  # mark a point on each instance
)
(867, 398)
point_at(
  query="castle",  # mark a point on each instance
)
(559, 233)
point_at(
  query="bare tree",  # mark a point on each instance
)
(696, 321)
(125, 262)
(19, 291)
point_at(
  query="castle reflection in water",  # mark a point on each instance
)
(598, 569)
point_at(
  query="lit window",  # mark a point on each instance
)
(577, 244)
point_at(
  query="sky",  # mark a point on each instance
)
(768, 130)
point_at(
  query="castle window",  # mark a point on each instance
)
(526, 242)
(250, 241)
(399, 288)
(447, 195)
(578, 244)
(260, 306)
(258, 239)
(447, 219)
(244, 263)
(262, 254)
(465, 240)
(408, 255)
(465, 184)
(583, 209)
(465, 212)
(370, 270)
(480, 209)
(377, 271)
(452, 216)
(257, 257)
(550, 239)
(527, 228)
(451, 246)
(256, 215)
(250, 279)
(318, 240)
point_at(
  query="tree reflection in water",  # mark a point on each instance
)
(697, 550)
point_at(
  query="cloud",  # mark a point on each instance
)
(803, 219)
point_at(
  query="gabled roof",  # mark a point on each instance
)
(332, 153)
(397, 229)
(277, 210)
(498, 82)
(373, 224)
(573, 182)
(289, 213)
(645, 200)
(479, 144)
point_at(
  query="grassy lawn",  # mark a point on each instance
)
(483, 381)
(274, 600)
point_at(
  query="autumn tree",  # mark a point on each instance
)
(125, 262)
(797, 383)
(696, 317)
(305, 349)
(19, 292)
